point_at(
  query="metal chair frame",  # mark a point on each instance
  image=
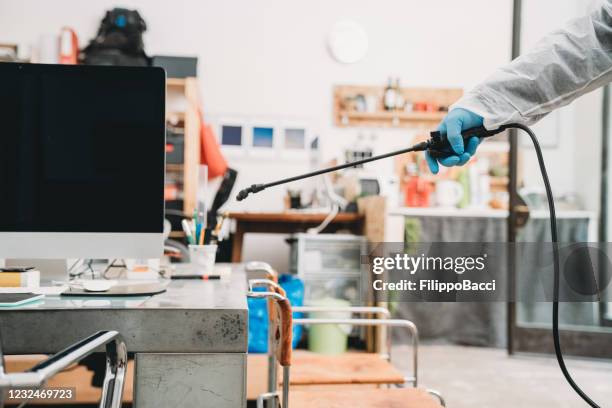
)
(39, 375)
(273, 395)
(271, 283)
(386, 321)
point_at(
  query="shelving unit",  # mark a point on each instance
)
(177, 82)
(391, 119)
(495, 152)
(183, 111)
(345, 115)
(178, 168)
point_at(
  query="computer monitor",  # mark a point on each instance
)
(81, 161)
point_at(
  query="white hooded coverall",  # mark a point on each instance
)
(564, 65)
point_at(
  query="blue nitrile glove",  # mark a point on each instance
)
(453, 123)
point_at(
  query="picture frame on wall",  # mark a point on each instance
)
(231, 134)
(295, 138)
(263, 138)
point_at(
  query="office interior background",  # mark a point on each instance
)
(269, 69)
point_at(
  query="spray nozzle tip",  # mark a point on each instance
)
(255, 188)
(242, 194)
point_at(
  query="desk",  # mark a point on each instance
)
(190, 342)
(287, 223)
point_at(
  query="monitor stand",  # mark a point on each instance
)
(50, 269)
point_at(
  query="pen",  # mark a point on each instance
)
(198, 233)
(219, 226)
(202, 218)
(202, 277)
(194, 223)
(202, 233)
(187, 231)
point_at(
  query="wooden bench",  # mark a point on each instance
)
(316, 369)
(364, 398)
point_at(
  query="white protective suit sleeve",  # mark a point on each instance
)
(564, 65)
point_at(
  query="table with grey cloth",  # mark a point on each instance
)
(471, 323)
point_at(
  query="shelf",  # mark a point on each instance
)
(362, 105)
(174, 167)
(499, 181)
(389, 119)
(292, 216)
(483, 213)
(176, 82)
(183, 116)
(176, 118)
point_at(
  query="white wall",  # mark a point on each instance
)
(269, 58)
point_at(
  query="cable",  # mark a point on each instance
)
(555, 242)
(108, 267)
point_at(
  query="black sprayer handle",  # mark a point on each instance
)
(440, 148)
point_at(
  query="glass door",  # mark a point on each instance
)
(573, 139)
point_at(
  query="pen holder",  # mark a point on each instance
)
(203, 258)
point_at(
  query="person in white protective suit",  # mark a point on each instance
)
(563, 66)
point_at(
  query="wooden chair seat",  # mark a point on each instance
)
(349, 368)
(315, 369)
(364, 398)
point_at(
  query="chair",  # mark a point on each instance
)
(37, 376)
(349, 368)
(282, 335)
(360, 398)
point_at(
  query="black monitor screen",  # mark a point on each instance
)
(81, 148)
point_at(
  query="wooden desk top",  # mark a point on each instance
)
(293, 217)
(288, 222)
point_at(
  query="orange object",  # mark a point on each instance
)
(10, 279)
(431, 107)
(417, 192)
(170, 192)
(202, 233)
(69, 46)
(210, 153)
(419, 106)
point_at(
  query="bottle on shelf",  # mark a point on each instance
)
(399, 98)
(390, 96)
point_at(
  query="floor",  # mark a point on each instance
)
(474, 377)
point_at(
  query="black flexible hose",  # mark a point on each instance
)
(555, 241)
